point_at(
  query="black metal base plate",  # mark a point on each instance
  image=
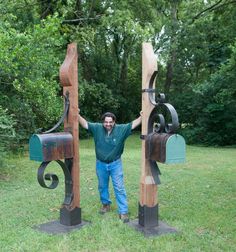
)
(161, 229)
(70, 217)
(55, 227)
(148, 216)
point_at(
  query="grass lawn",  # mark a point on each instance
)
(197, 198)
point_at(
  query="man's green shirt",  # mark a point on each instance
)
(109, 147)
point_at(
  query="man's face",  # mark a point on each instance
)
(108, 123)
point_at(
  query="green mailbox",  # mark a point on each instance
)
(52, 146)
(166, 148)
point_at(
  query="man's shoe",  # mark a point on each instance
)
(124, 217)
(105, 209)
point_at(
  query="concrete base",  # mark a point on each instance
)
(55, 227)
(161, 229)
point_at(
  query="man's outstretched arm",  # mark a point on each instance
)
(137, 121)
(82, 121)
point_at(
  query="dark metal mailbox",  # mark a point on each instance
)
(165, 148)
(53, 146)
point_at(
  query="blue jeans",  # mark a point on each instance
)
(115, 170)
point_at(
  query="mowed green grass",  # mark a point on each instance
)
(197, 198)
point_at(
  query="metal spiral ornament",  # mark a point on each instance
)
(159, 102)
(42, 178)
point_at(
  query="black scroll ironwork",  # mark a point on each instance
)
(66, 167)
(64, 115)
(159, 102)
(161, 126)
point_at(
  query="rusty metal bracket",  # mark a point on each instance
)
(148, 90)
(155, 172)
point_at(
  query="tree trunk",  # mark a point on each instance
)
(172, 55)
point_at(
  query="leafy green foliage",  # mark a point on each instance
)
(29, 75)
(194, 42)
(216, 105)
(96, 99)
(7, 133)
(202, 73)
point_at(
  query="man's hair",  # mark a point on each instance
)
(108, 114)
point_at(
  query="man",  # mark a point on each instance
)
(109, 139)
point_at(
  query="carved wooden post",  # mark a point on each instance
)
(148, 202)
(159, 143)
(69, 80)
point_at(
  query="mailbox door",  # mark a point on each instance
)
(35, 148)
(175, 149)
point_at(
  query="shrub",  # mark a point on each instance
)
(7, 133)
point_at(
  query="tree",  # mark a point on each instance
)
(7, 133)
(216, 106)
(198, 47)
(29, 75)
(112, 34)
(194, 41)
